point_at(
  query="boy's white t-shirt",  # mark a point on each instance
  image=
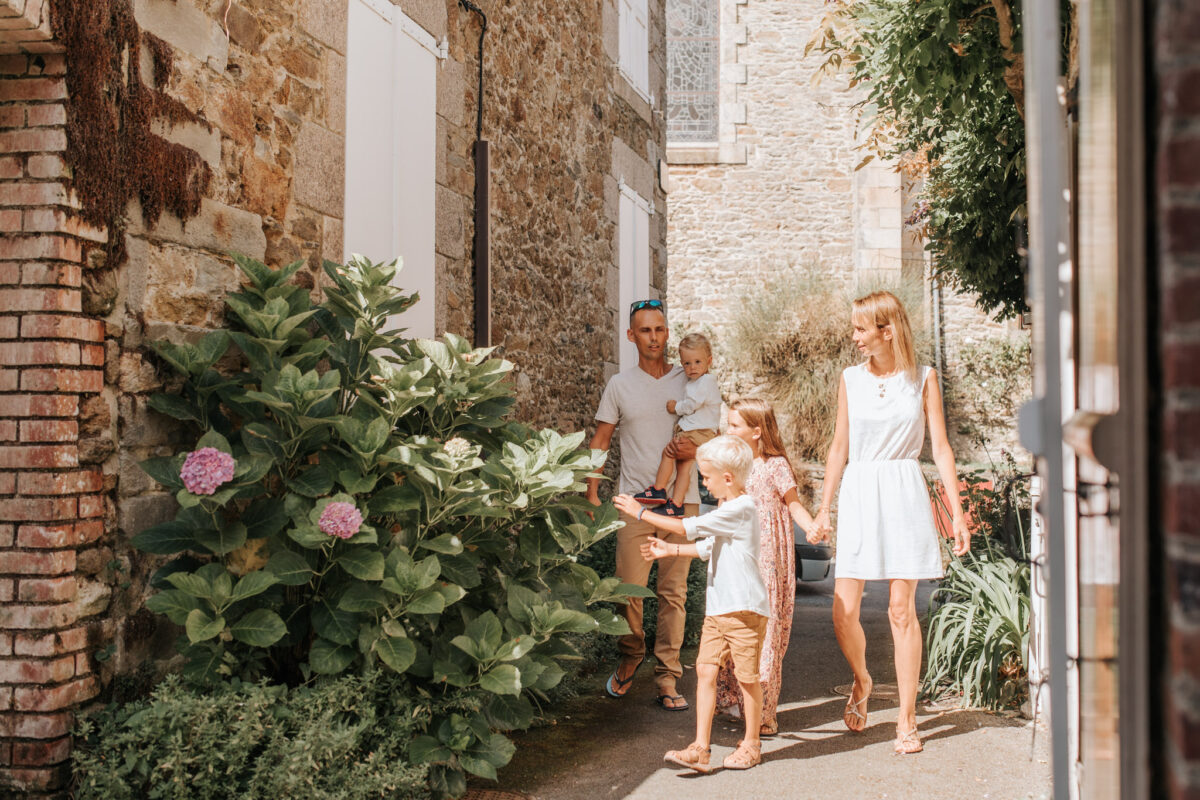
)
(637, 404)
(700, 407)
(727, 538)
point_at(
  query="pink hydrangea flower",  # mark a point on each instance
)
(206, 469)
(341, 520)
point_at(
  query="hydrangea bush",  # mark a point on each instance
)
(358, 501)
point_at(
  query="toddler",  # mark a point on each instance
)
(736, 604)
(699, 416)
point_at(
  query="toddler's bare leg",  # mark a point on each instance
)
(752, 698)
(706, 702)
(665, 469)
(683, 477)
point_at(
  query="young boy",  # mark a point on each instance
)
(736, 604)
(699, 417)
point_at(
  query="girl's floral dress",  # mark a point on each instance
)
(770, 480)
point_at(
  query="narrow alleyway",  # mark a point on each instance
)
(613, 749)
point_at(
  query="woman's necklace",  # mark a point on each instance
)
(882, 379)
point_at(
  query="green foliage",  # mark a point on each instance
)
(464, 575)
(987, 384)
(978, 641)
(344, 739)
(792, 338)
(936, 77)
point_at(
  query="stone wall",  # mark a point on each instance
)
(800, 202)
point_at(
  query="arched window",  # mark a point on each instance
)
(693, 71)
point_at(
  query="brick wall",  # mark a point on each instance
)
(52, 502)
(1176, 143)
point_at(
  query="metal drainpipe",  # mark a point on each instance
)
(481, 247)
(1041, 419)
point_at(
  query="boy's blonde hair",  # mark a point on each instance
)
(728, 454)
(885, 311)
(696, 341)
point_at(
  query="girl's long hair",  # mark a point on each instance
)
(884, 310)
(757, 413)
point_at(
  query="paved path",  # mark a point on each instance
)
(608, 749)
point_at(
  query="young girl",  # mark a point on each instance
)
(885, 521)
(773, 486)
(699, 415)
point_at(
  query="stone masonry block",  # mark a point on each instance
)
(320, 169)
(187, 28)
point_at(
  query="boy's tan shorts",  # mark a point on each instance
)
(698, 436)
(738, 636)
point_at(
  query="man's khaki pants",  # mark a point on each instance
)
(672, 597)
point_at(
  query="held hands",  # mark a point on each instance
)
(821, 528)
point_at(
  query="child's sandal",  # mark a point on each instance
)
(693, 757)
(746, 756)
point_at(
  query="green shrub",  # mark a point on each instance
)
(790, 340)
(463, 575)
(345, 739)
(978, 641)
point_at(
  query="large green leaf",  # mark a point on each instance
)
(289, 568)
(165, 538)
(313, 482)
(501, 679)
(165, 470)
(251, 584)
(175, 604)
(330, 658)
(397, 653)
(363, 563)
(260, 628)
(201, 627)
(230, 537)
(334, 624)
(172, 405)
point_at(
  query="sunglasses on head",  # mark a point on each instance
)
(638, 305)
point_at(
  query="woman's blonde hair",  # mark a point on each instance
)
(728, 454)
(696, 341)
(885, 311)
(758, 413)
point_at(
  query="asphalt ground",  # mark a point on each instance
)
(602, 748)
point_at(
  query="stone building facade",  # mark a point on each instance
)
(773, 185)
(240, 113)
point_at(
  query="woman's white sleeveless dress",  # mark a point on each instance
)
(885, 520)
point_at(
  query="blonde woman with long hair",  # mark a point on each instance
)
(885, 519)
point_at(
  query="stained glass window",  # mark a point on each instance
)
(693, 70)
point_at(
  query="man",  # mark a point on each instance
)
(635, 401)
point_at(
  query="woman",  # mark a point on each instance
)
(885, 526)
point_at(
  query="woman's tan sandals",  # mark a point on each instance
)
(908, 743)
(855, 715)
(746, 756)
(693, 757)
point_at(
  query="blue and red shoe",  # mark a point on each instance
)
(652, 496)
(669, 509)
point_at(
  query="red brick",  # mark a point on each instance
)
(45, 166)
(35, 89)
(10, 273)
(40, 299)
(13, 64)
(10, 220)
(62, 380)
(33, 140)
(61, 274)
(40, 245)
(1179, 163)
(39, 457)
(12, 116)
(8, 483)
(83, 664)
(35, 194)
(30, 780)
(19, 354)
(88, 531)
(91, 506)
(91, 355)
(7, 535)
(1181, 230)
(9, 327)
(37, 670)
(55, 697)
(39, 405)
(11, 168)
(6, 644)
(35, 726)
(19, 617)
(54, 562)
(42, 509)
(36, 754)
(50, 644)
(1181, 433)
(46, 114)
(7, 591)
(8, 380)
(58, 220)
(1181, 364)
(47, 537)
(1182, 508)
(47, 590)
(1181, 299)
(49, 430)
(7, 434)
(43, 483)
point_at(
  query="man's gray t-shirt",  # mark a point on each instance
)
(637, 404)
